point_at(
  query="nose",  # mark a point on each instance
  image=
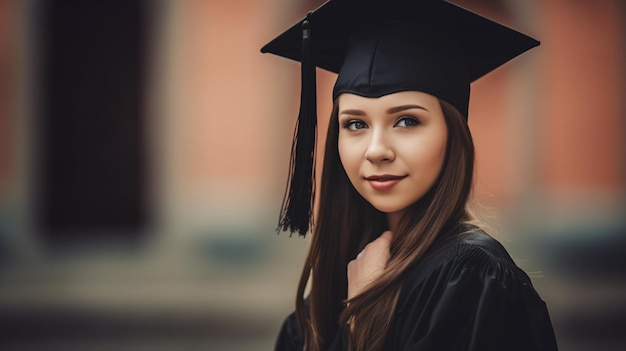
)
(379, 150)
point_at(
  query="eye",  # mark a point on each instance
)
(354, 124)
(407, 121)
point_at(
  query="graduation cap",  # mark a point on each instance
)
(379, 48)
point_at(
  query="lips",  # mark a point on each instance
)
(384, 182)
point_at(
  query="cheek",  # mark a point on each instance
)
(349, 156)
(439, 152)
(429, 154)
(344, 153)
(443, 147)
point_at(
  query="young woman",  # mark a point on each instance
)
(396, 261)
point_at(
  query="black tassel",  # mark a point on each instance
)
(297, 208)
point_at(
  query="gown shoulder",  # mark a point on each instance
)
(467, 293)
(290, 336)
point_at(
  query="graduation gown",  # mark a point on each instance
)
(465, 294)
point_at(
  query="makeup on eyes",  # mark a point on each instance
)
(409, 121)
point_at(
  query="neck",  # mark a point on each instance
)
(393, 219)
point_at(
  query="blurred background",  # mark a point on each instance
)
(144, 149)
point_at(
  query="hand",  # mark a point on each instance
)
(369, 264)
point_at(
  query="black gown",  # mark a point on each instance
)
(465, 294)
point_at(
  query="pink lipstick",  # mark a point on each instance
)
(383, 182)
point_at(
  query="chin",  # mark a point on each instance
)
(387, 208)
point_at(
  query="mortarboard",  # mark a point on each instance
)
(378, 48)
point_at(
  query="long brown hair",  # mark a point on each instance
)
(347, 222)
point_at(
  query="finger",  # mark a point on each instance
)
(385, 239)
(388, 234)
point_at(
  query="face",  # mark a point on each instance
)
(392, 148)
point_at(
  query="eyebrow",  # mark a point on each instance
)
(391, 110)
(405, 107)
